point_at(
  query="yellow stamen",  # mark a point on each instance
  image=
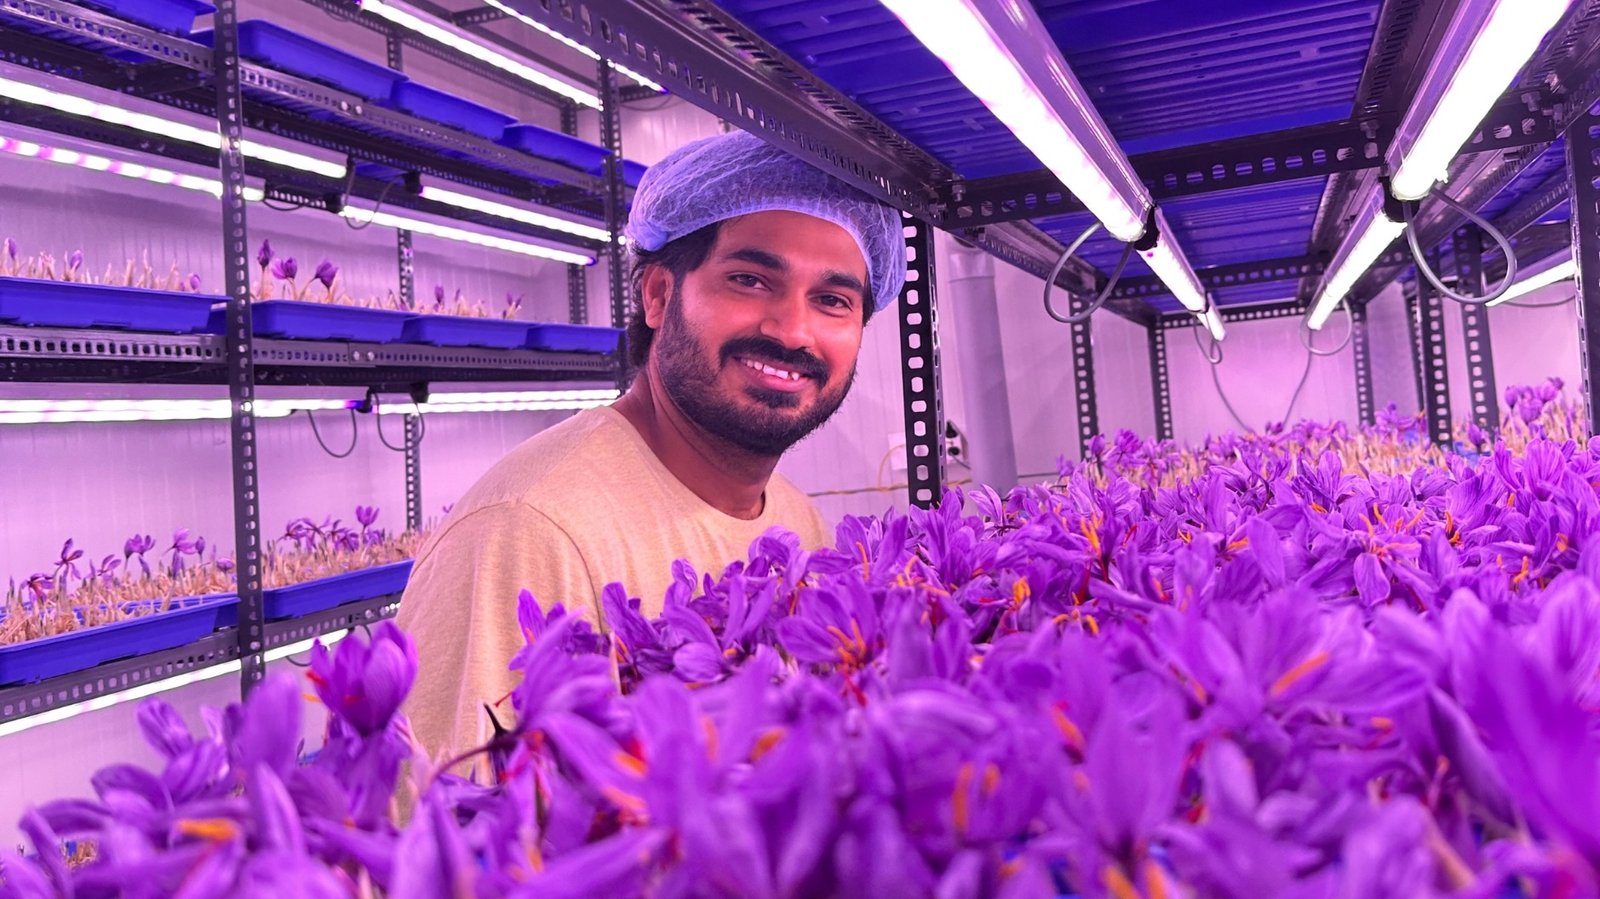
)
(1522, 575)
(629, 761)
(958, 799)
(764, 743)
(215, 829)
(1094, 626)
(710, 728)
(625, 801)
(1155, 882)
(1301, 670)
(1019, 592)
(1069, 730)
(991, 778)
(1118, 884)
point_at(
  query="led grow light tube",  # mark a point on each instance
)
(393, 11)
(1563, 270)
(1486, 45)
(1166, 259)
(153, 688)
(1366, 240)
(1212, 319)
(449, 232)
(83, 107)
(513, 213)
(540, 27)
(1008, 61)
(48, 411)
(134, 170)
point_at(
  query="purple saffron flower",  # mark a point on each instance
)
(285, 269)
(362, 683)
(75, 261)
(225, 565)
(11, 249)
(194, 282)
(67, 563)
(326, 272)
(438, 296)
(366, 515)
(138, 545)
(264, 255)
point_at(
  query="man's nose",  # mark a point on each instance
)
(788, 321)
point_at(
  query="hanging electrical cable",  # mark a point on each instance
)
(1100, 299)
(377, 412)
(1349, 332)
(1214, 357)
(1427, 271)
(355, 434)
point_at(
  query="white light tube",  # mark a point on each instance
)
(433, 30)
(152, 688)
(1561, 271)
(449, 232)
(1371, 234)
(28, 412)
(1212, 319)
(134, 170)
(1166, 259)
(1009, 62)
(603, 394)
(72, 104)
(513, 213)
(540, 27)
(1487, 44)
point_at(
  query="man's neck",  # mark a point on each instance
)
(727, 477)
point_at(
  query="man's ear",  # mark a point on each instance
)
(655, 290)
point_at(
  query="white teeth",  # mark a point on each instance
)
(775, 372)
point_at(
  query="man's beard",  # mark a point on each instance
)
(767, 429)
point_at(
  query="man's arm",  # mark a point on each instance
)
(461, 608)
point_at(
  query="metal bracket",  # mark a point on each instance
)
(1361, 348)
(1159, 385)
(1583, 144)
(1288, 268)
(1251, 313)
(1468, 251)
(1083, 374)
(1432, 360)
(919, 353)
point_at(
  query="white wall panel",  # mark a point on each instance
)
(1393, 358)
(1122, 376)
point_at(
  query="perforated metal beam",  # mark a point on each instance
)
(1414, 332)
(1583, 143)
(1159, 385)
(1467, 248)
(922, 392)
(1288, 268)
(1084, 394)
(1252, 313)
(1432, 360)
(413, 456)
(1361, 350)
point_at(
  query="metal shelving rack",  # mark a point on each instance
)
(56, 39)
(710, 58)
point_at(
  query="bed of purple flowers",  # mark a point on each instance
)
(1278, 678)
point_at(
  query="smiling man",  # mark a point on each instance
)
(753, 277)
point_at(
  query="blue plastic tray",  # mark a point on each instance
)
(631, 171)
(59, 304)
(554, 146)
(185, 621)
(282, 49)
(325, 593)
(172, 16)
(448, 109)
(573, 338)
(458, 330)
(296, 320)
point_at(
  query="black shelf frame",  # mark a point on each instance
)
(60, 40)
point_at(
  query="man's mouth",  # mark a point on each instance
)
(776, 371)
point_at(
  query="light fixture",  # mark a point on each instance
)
(540, 27)
(450, 232)
(1563, 269)
(152, 688)
(134, 170)
(395, 12)
(1166, 259)
(505, 401)
(1212, 319)
(1006, 58)
(64, 411)
(513, 213)
(1486, 44)
(1371, 234)
(83, 107)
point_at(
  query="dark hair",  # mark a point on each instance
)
(680, 257)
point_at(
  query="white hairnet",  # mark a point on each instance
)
(718, 178)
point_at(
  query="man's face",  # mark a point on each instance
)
(758, 345)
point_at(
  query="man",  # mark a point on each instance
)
(753, 276)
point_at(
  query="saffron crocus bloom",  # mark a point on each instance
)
(285, 269)
(194, 282)
(11, 249)
(264, 255)
(326, 272)
(75, 261)
(364, 683)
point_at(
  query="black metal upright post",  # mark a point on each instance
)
(611, 139)
(1413, 330)
(1583, 170)
(1083, 376)
(577, 275)
(240, 349)
(413, 472)
(1432, 361)
(1361, 348)
(919, 354)
(1159, 386)
(1468, 249)
(405, 267)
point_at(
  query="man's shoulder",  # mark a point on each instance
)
(565, 460)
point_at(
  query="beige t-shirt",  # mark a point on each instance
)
(573, 508)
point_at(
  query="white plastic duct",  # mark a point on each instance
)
(983, 373)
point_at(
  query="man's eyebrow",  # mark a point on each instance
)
(844, 280)
(756, 257)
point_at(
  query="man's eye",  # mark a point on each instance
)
(745, 280)
(833, 301)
